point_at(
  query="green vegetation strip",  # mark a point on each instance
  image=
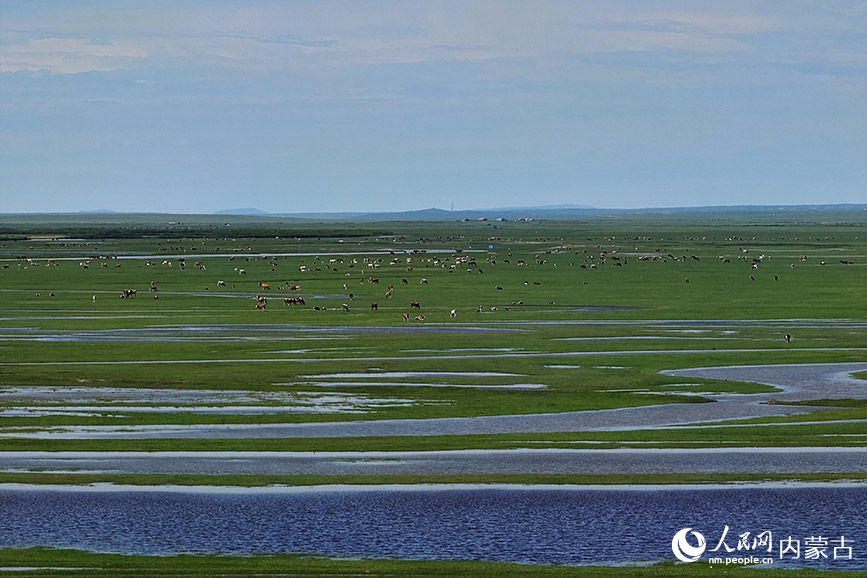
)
(47, 563)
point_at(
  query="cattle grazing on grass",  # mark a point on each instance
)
(154, 287)
(787, 337)
(414, 305)
(294, 301)
(405, 316)
(453, 313)
(374, 306)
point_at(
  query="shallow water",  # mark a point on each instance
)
(513, 524)
(413, 384)
(822, 377)
(405, 374)
(36, 401)
(796, 382)
(466, 462)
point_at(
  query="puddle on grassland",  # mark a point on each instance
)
(32, 401)
(405, 374)
(379, 379)
(412, 384)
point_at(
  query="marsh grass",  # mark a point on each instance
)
(591, 308)
(47, 563)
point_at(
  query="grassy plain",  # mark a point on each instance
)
(587, 311)
(45, 563)
(590, 309)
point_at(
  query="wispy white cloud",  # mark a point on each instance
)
(699, 22)
(69, 55)
(297, 35)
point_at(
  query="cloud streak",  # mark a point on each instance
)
(69, 56)
(297, 35)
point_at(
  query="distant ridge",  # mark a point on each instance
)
(552, 212)
(248, 211)
(435, 214)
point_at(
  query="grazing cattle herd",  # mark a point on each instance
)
(411, 286)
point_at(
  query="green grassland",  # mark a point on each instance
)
(49, 563)
(618, 298)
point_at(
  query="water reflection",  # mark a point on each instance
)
(539, 526)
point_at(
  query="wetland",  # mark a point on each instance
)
(537, 357)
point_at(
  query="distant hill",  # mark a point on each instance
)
(257, 217)
(248, 211)
(556, 211)
(434, 214)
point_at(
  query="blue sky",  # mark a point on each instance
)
(333, 105)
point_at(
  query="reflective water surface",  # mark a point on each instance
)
(548, 525)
